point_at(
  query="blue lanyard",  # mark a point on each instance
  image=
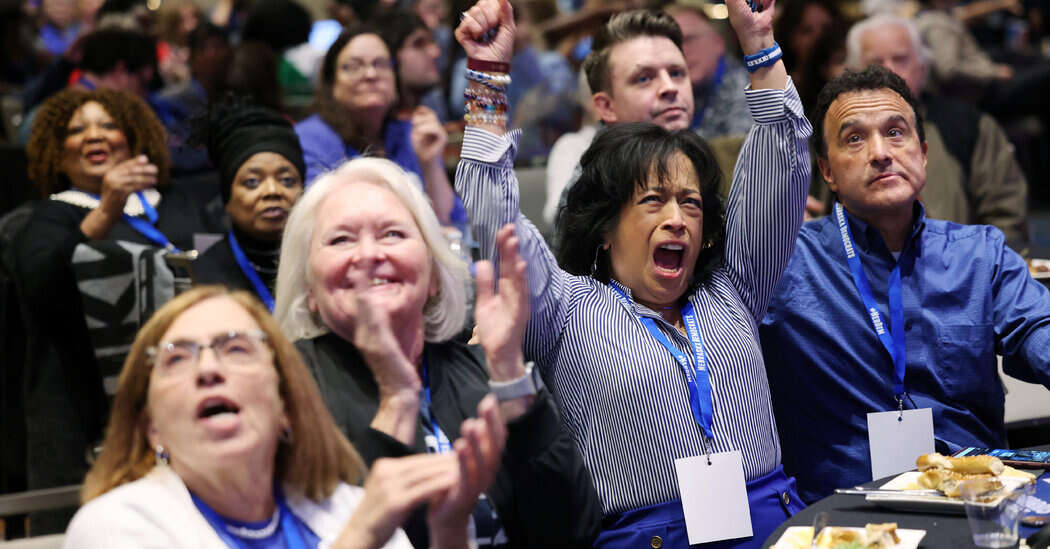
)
(716, 80)
(293, 538)
(249, 271)
(894, 340)
(144, 227)
(443, 443)
(699, 383)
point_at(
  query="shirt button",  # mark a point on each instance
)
(786, 498)
(656, 543)
(907, 325)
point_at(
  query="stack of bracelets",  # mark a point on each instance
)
(486, 103)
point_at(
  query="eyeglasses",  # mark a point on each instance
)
(176, 358)
(355, 68)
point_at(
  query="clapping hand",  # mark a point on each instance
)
(396, 377)
(502, 310)
(479, 452)
(394, 487)
(132, 175)
(474, 29)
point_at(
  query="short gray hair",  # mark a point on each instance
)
(875, 22)
(444, 315)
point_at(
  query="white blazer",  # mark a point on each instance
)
(157, 511)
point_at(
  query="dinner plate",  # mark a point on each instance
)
(1043, 263)
(799, 537)
(920, 502)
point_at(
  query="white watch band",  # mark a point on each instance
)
(526, 385)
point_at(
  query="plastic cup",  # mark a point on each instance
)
(993, 513)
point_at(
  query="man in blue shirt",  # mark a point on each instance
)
(949, 298)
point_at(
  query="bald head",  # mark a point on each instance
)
(892, 42)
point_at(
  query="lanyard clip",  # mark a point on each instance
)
(900, 408)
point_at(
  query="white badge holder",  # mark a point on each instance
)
(714, 497)
(897, 438)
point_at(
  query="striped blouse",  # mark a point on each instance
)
(621, 395)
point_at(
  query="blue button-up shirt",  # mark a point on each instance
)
(966, 298)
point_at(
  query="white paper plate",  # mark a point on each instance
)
(799, 537)
(1037, 263)
(921, 503)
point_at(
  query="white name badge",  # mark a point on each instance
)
(714, 497)
(897, 440)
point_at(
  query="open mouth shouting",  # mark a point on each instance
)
(218, 413)
(668, 259)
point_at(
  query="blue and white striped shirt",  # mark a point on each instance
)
(621, 395)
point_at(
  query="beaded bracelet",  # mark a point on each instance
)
(485, 97)
(497, 79)
(492, 119)
(763, 58)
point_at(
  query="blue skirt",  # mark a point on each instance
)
(772, 498)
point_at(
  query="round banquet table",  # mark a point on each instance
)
(942, 531)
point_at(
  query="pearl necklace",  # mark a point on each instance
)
(262, 533)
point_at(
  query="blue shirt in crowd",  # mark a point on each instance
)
(966, 298)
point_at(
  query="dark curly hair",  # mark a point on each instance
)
(143, 131)
(621, 158)
(875, 77)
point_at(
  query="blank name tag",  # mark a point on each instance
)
(896, 440)
(714, 497)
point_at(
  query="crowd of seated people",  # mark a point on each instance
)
(380, 349)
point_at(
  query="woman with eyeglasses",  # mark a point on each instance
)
(355, 115)
(219, 438)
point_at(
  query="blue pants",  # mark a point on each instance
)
(772, 498)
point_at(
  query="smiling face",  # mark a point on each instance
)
(654, 247)
(264, 190)
(94, 145)
(364, 76)
(648, 83)
(367, 242)
(875, 162)
(214, 415)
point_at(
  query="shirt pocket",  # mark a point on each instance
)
(965, 360)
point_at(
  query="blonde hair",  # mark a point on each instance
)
(444, 315)
(318, 459)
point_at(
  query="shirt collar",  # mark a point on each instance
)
(867, 237)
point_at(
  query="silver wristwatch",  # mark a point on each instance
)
(526, 385)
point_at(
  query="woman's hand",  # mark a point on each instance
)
(127, 177)
(754, 31)
(501, 313)
(428, 136)
(484, 16)
(479, 452)
(394, 487)
(131, 175)
(396, 376)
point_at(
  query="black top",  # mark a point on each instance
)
(218, 266)
(66, 406)
(543, 493)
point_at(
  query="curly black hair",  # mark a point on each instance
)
(874, 77)
(143, 131)
(623, 157)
